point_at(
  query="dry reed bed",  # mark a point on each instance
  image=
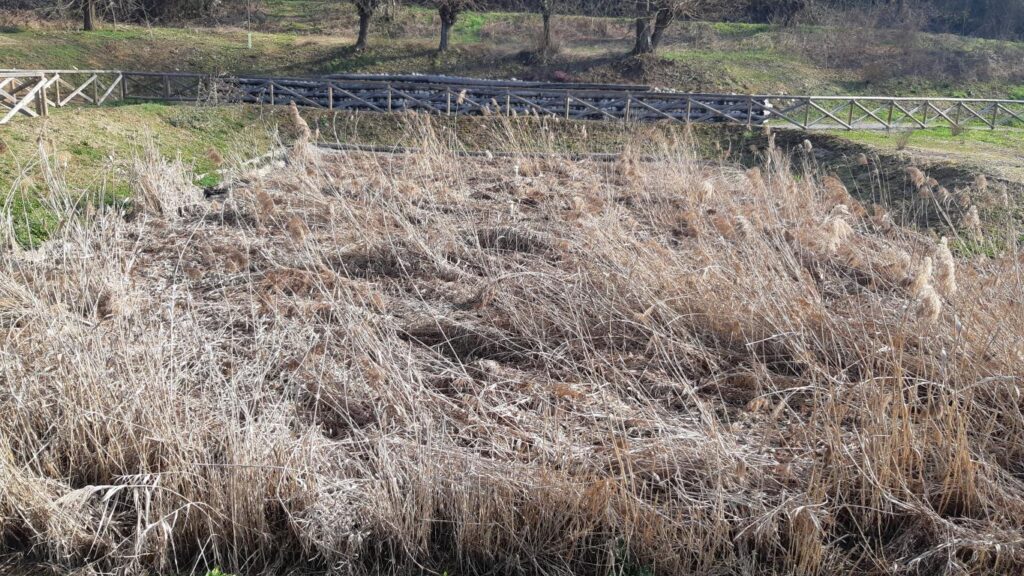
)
(361, 362)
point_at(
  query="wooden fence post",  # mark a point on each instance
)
(41, 107)
(46, 96)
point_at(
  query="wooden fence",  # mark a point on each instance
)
(32, 93)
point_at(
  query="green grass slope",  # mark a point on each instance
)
(303, 37)
(91, 150)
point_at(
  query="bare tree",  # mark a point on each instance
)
(366, 9)
(546, 9)
(653, 17)
(449, 11)
(644, 10)
(88, 15)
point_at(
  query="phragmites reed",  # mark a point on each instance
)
(981, 183)
(265, 202)
(962, 197)
(922, 277)
(707, 188)
(362, 363)
(945, 268)
(917, 177)
(835, 189)
(161, 187)
(755, 177)
(929, 303)
(725, 226)
(303, 149)
(297, 229)
(972, 221)
(744, 228)
(626, 165)
(304, 135)
(837, 228)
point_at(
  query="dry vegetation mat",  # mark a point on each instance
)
(362, 363)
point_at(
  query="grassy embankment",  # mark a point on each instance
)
(307, 37)
(92, 149)
(297, 37)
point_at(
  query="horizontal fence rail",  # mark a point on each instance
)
(32, 93)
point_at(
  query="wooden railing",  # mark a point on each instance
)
(22, 93)
(32, 93)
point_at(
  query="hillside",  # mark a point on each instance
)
(92, 151)
(301, 37)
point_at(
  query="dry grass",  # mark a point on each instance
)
(360, 362)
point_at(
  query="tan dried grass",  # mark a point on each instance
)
(323, 371)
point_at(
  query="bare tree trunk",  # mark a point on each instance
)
(88, 15)
(448, 21)
(446, 27)
(643, 37)
(545, 46)
(364, 30)
(661, 23)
